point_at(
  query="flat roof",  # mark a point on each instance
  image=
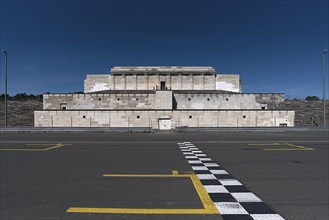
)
(167, 69)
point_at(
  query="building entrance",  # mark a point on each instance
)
(163, 85)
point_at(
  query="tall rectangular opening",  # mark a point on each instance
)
(163, 85)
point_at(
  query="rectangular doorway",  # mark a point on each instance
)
(163, 85)
(164, 124)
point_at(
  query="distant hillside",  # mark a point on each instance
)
(305, 110)
(20, 113)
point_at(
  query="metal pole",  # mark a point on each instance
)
(324, 86)
(6, 93)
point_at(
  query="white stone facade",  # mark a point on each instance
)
(162, 98)
(150, 118)
(171, 78)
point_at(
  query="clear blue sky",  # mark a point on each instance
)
(275, 46)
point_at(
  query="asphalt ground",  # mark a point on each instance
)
(44, 175)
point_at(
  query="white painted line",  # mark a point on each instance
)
(205, 159)
(193, 148)
(196, 151)
(266, 217)
(215, 189)
(199, 168)
(246, 197)
(188, 153)
(201, 155)
(218, 171)
(191, 157)
(211, 164)
(194, 162)
(230, 182)
(184, 150)
(206, 177)
(230, 208)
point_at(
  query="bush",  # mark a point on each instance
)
(312, 98)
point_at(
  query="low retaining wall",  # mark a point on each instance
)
(173, 119)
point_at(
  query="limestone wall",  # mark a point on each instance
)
(209, 100)
(98, 101)
(273, 101)
(97, 82)
(150, 118)
(161, 99)
(152, 81)
(228, 82)
(148, 100)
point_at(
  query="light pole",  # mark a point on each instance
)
(6, 68)
(324, 86)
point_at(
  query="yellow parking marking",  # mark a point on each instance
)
(140, 211)
(51, 146)
(295, 147)
(273, 144)
(209, 206)
(289, 147)
(20, 149)
(56, 146)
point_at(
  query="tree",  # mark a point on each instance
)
(21, 97)
(312, 98)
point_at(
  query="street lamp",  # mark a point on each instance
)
(6, 105)
(324, 86)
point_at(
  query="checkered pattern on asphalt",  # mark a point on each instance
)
(232, 199)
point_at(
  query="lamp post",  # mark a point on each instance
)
(324, 86)
(6, 68)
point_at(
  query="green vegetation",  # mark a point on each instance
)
(312, 98)
(21, 97)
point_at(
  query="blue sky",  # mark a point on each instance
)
(275, 46)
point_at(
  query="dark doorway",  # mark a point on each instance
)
(163, 85)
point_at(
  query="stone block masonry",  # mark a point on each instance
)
(172, 78)
(150, 118)
(162, 98)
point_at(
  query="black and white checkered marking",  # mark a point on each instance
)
(232, 199)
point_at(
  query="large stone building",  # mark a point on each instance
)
(162, 98)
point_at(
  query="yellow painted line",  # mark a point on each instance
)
(301, 147)
(291, 149)
(56, 146)
(204, 196)
(52, 146)
(138, 211)
(209, 206)
(295, 147)
(146, 175)
(20, 149)
(274, 144)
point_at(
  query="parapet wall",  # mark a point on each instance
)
(209, 100)
(151, 118)
(169, 81)
(160, 99)
(228, 82)
(146, 100)
(97, 82)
